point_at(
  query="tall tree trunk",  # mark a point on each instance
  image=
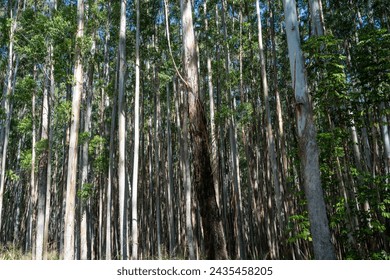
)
(49, 155)
(233, 144)
(6, 106)
(84, 201)
(43, 162)
(32, 199)
(214, 161)
(122, 133)
(157, 153)
(134, 214)
(281, 138)
(222, 167)
(212, 227)
(308, 148)
(106, 70)
(171, 218)
(269, 130)
(317, 18)
(187, 180)
(386, 137)
(69, 252)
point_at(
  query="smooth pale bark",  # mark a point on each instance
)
(187, 183)
(85, 163)
(385, 137)
(134, 214)
(171, 218)
(212, 227)
(157, 153)
(43, 162)
(269, 130)
(151, 228)
(233, 145)
(64, 172)
(49, 155)
(281, 136)
(32, 199)
(317, 18)
(182, 131)
(106, 70)
(69, 252)
(308, 148)
(18, 204)
(214, 151)
(6, 106)
(122, 134)
(222, 146)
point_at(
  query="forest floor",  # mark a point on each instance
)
(11, 252)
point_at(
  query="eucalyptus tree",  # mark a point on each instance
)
(44, 160)
(122, 132)
(233, 140)
(5, 103)
(308, 148)
(215, 244)
(270, 134)
(69, 251)
(134, 196)
(317, 17)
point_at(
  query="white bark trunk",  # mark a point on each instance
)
(5, 126)
(233, 145)
(385, 137)
(187, 183)
(269, 130)
(214, 161)
(171, 217)
(323, 248)
(122, 133)
(43, 167)
(317, 26)
(134, 215)
(49, 155)
(69, 252)
(111, 145)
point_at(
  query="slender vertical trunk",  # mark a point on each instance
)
(386, 137)
(62, 189)
(18, 199)
(317, 18)
(32, 199)
(171, 218)
(323, 248)
(282, 143)
(69, 252)
(43, 162)
(48, 194)
(6, 106)
(222, 171)
(214, 161)
(134, 215)
(233, 145)
(49, 155)
(187, 181)
(157, 151)
(182, 131)
(269, 130)
(111, 143)
(212, 226)
(122, 133)
(84, 201)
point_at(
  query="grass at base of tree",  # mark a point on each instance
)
(11, 252)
